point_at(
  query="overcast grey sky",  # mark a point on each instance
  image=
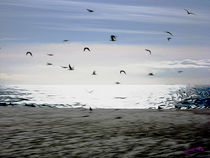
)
(40, 26)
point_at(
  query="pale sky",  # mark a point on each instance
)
(39, 26)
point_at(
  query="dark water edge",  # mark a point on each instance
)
(53, 132)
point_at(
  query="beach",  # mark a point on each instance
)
(54, 132)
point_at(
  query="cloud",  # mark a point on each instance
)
(186, 63)
(10, 39)
(106, 59)
(91, 29)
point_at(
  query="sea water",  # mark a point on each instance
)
(106, 96)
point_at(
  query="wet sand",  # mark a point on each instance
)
(51, 132)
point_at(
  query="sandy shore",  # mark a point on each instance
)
(51, 132)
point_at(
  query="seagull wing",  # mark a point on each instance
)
(169, 33)
(89, 10)
(149, 51)
(187, 11)
(29, 53)
(86, 48)
(123, 71)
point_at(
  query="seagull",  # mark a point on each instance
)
(49, 64)
(86, 48)
(180, 71)
(169, 38)
(29, 53)
(113, 38)
(65, 40)
(90, 10)
(151, 74)
(71, 68)
(148, 51)
(169, 33)
(65, 67)
(94, 72)
(188, 12)
(122, 71)
(50, 54)
(160, 108)
(90, 91)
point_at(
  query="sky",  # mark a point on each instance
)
(40, 26)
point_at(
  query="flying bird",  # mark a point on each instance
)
(169, 38)
(90, 91)
(86, 48)
(113, 38)
(169, 33)
(94, 72)
(65, 67)
(71, 67)
(49, 64)
(151, 74)
(29, 53)
(117, 82)
(148, 51)
(50, 54)
(122, 71)
(180, 71)
(188, 12)
(90, 10)
(65, 40)
(160, 108)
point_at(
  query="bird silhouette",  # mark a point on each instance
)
(122, 71)
(90, 10)
(29, 53)
(188, 12)
(90, 109)
(71, 67)
(65, 40)
(113, 38)
(180, 71)
(151, 74)
(50, 54)
(160, 108)
(94, 72)
(65, 67)
(148, 51)
(49, 64)
(86, 48)
(169, 33)
(169, 38)
(90, 91)
(117, 82)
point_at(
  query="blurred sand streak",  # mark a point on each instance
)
(52, 132)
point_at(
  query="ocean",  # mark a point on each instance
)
(106, 96)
